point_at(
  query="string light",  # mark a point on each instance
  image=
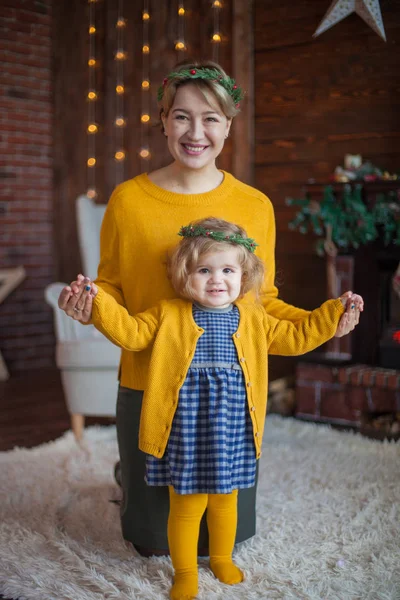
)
(119, 121)
(144, 151)
(216, 37)
(180, 44)
(120, 155)
(120, 55)
(92, 127)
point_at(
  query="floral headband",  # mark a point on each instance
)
(219, 236)
(227, 83)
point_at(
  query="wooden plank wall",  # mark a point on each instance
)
(71, 82)
(316, 100)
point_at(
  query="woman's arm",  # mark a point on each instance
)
(74, 299)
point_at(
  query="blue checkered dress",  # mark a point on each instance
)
(211, 448)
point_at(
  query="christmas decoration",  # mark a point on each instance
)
(369, 10)
(219, 236)
(355, 170)
(346, 222)
(207, 74)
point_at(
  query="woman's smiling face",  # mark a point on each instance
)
(195, 129)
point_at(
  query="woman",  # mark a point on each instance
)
(197, 105)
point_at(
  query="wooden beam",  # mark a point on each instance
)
(243, 72)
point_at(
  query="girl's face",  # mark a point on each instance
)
(217, 278)
(196, 130)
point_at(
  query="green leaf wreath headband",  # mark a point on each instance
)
(205, 73)
(219, 236)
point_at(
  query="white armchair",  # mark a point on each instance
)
(87, 360)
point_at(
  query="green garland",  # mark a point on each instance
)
(349, 220)
(228, 83)
(218, 236)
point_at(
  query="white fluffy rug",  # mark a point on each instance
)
(328, 522)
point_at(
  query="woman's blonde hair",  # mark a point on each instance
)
(213, 92)
(182, 261)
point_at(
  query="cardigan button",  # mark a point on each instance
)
(237, 334)
(249, 384)
(253, 408)
(242, 359)
(256, 434)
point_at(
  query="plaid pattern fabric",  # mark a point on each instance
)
(211, 448)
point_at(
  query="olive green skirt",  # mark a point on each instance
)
(144, 509)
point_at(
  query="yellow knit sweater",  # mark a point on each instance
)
(172, 334)
(141, 224)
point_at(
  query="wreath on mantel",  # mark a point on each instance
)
(345, 222)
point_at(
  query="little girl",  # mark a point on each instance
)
(204, 407)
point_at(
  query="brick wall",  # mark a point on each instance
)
(26, 198)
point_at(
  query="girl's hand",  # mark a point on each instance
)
(76, 300)
(354, 304)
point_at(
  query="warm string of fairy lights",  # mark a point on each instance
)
(144, 151)
(120, 121)
(92, 127)
(216, 37)
(180, 44)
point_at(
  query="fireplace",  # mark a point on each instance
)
(389, 343)
(357, 378)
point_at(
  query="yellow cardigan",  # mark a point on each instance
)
(141, 224)
(171, 334)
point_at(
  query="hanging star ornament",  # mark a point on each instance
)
(369, 10)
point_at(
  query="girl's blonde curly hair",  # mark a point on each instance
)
(182, 261)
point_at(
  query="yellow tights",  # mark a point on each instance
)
(184, 519)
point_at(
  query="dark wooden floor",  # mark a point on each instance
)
(33, 410)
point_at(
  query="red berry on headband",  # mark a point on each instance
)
(235, 87)
(193, 72)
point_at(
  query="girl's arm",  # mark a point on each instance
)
(269, 298)
(291, 339)
(132, 333)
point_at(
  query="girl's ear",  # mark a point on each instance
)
(243, 282)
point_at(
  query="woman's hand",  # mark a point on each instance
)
(354, 304)
(76, 300)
